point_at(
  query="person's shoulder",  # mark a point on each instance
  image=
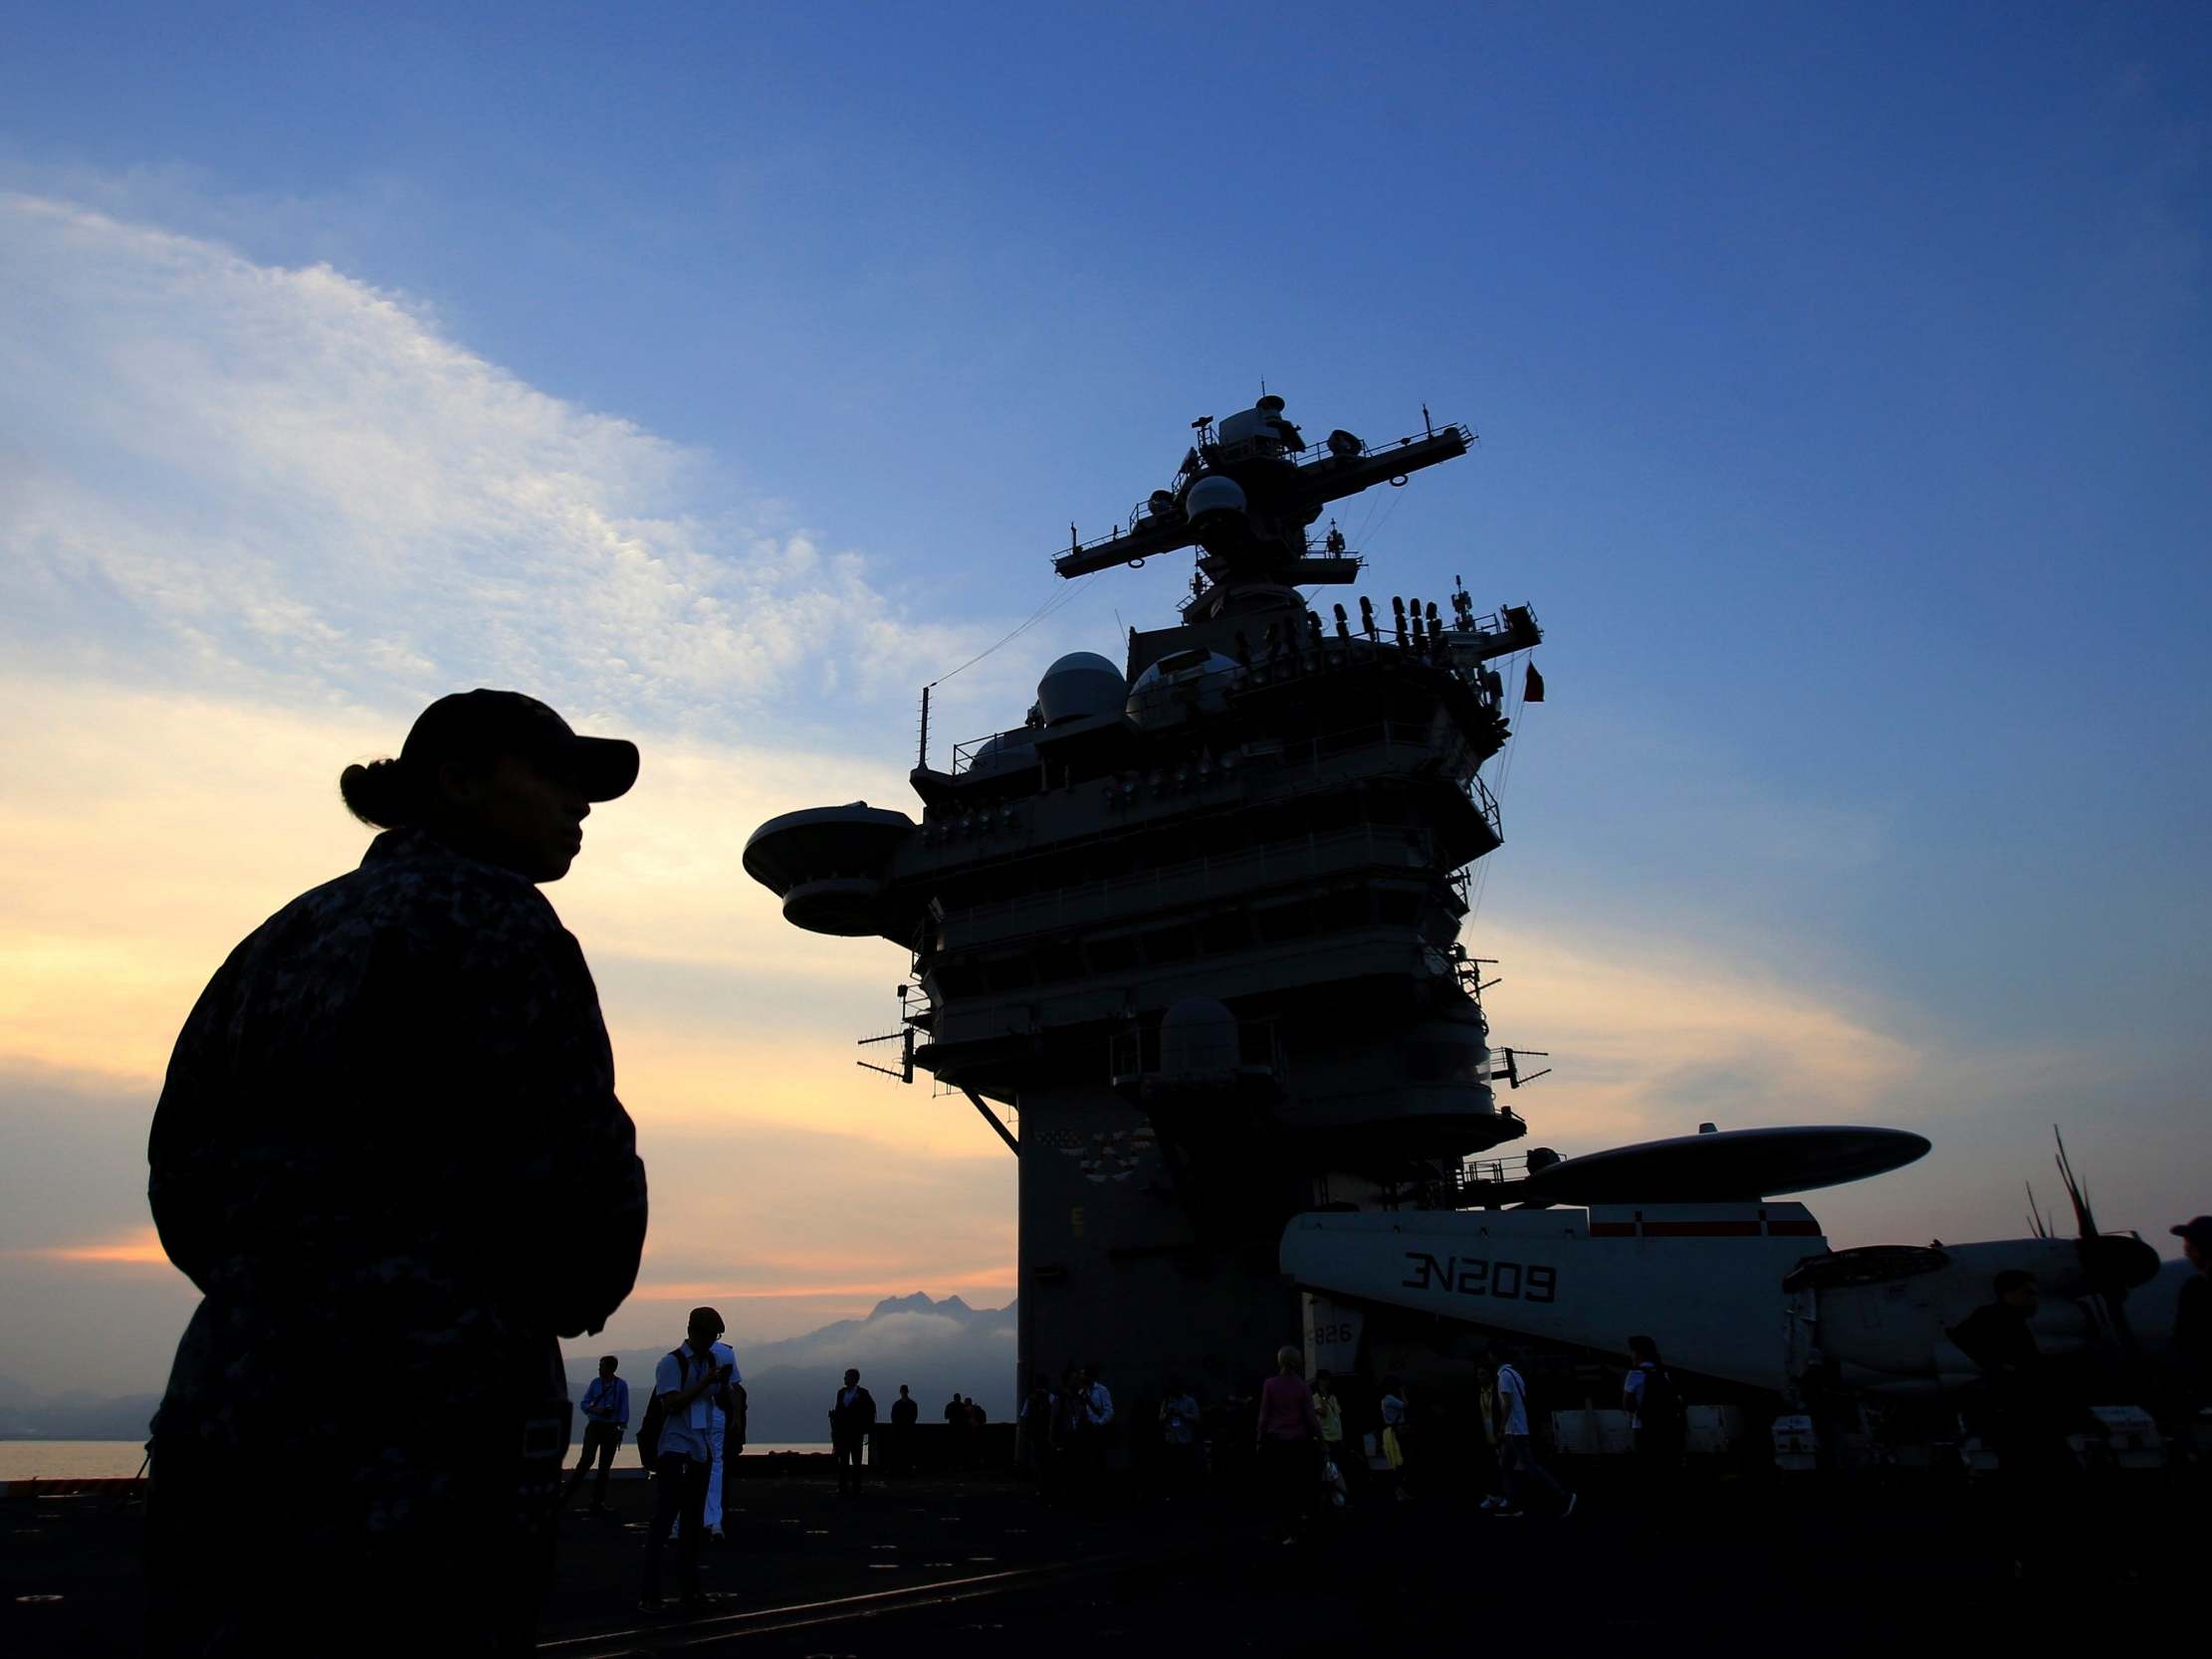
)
(412, 884)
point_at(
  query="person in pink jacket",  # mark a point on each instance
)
(1288, 1442)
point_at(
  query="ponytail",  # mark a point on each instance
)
(384, 795)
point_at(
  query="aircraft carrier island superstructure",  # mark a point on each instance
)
(1195, 918)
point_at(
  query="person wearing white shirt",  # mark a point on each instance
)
(1516, 1458)
(1098, 1404)
(687, 1382)
(718, 1435)
(1094, 1419)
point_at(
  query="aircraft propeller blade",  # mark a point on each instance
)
(2114, 1263)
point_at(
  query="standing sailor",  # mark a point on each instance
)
(687, 1384)
(2016, 1418)
(852, 1418)
(720, 1405)
(389, 1155)
(606, 1414)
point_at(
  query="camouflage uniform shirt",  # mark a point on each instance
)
(389, 1154)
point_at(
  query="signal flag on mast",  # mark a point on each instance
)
(1533, 690)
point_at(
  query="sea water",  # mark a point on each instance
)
(72, 1460)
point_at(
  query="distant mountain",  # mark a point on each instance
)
(936, 1348)
(29, 1414)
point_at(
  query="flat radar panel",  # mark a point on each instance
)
(1729, 1166)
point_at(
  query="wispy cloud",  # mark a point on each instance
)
(141, 1247)
(1652, 1035)
(283, 480)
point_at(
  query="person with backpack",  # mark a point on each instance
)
(1516, 1456)
(720, 1423)
(676, 1443)
(1656, 1412)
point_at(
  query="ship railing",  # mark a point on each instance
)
(1476, 1174)
(1379, 736)
(1190, 881)
(1321, 451)
(1140, 517)
(1485, 803)
(963, 754)
(1375, 733)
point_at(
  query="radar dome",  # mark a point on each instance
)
(1211, 497)
(1174, 687)
(1079, 684)
(1198, 1038)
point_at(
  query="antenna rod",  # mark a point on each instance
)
(922, 758)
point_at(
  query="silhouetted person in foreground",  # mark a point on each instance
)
(852, 1418)
(905, 1412)
(389, 1154)
(606, 1414)
(690, 1385)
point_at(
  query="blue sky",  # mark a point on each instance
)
(726, 372)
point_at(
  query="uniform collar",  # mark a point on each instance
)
(395, 846)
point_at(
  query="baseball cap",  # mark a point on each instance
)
(472, 725)
(2198, 1232)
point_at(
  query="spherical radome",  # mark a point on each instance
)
(1079, 684)
(1212, 495)
(1198, 1037)
(1161, 696)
